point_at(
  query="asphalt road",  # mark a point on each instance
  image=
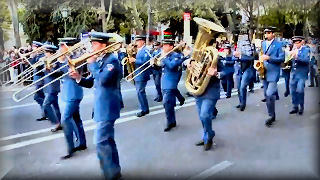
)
(244, 146)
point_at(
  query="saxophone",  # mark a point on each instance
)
(132, 51)
(205, 56)
(259, 66)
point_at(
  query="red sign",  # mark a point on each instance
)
(186, 16)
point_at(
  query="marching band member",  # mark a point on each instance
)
(245, 76)
(273, 56)
(50, 103)
(141, 80)
(313, 64)
(157, 71)
(105, 77)
(299, 74)
(39, 95)
(286, 71)
(206, 104)
(228, 69)
(172, 70)
(72, 94)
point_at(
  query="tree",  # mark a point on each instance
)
(5, 20)
(12, 4)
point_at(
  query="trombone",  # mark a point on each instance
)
(22, 56)
(72, 63)
(50, 61)
(155, 59)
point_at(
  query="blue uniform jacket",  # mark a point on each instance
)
(142, 57)
(53, 87)
(273, 65)
(171, 70)
(105, 77)
(71, 91)
(213, 89)
(300, 65)
(39, 68)
(155, 53)
(228, 65)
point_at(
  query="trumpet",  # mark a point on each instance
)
(72, 63)
(132, 51)
(286, 63)
(156, 60)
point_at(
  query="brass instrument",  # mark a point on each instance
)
(286, 63)
(72, 63)
(259, 66)
(156, 61)
(205, 56)
(23, 57)
(132, 51)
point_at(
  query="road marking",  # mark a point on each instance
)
(88, 128)
(121, 120)
(61, 102)
(213, 170)
(85, 122)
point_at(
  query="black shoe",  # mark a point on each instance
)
(238, 106)
(228, 97)
(293, 111)
(300, 112)
(158, 99)
(58, 128)
(264, 100)
(169, 127)
(286, 94)
(215, 112)
(142, 113)
(270, 121)
(189, 95)
(182, 102)
(208, 146)
(311, 86)
(242, 108)
(42, 119)
(251, 91)
(66, 156)
(80, 148)
(261, 87)
(200, 143)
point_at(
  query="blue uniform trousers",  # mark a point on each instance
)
(312, 76)
(107, 149)
(297, 92)
(227, 84)
(271, 91)
(205, 108)
(286, 76)
(157, 81)
(178, 95)
(169, 102)
(39, 98)
(265, 85)
(51, 107)
(243, 81)
(142, 97)
(72, 122)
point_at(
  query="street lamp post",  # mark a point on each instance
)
(64, 13)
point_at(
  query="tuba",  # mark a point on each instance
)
(205, 56)
(132, 51)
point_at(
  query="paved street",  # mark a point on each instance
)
(244, 146)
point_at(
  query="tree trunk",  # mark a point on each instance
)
(15, 21)
(109, 12)
(136, 16)
(1, 43)
(229, 18)
(215, 18)
(103, 16)
(251, 28)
